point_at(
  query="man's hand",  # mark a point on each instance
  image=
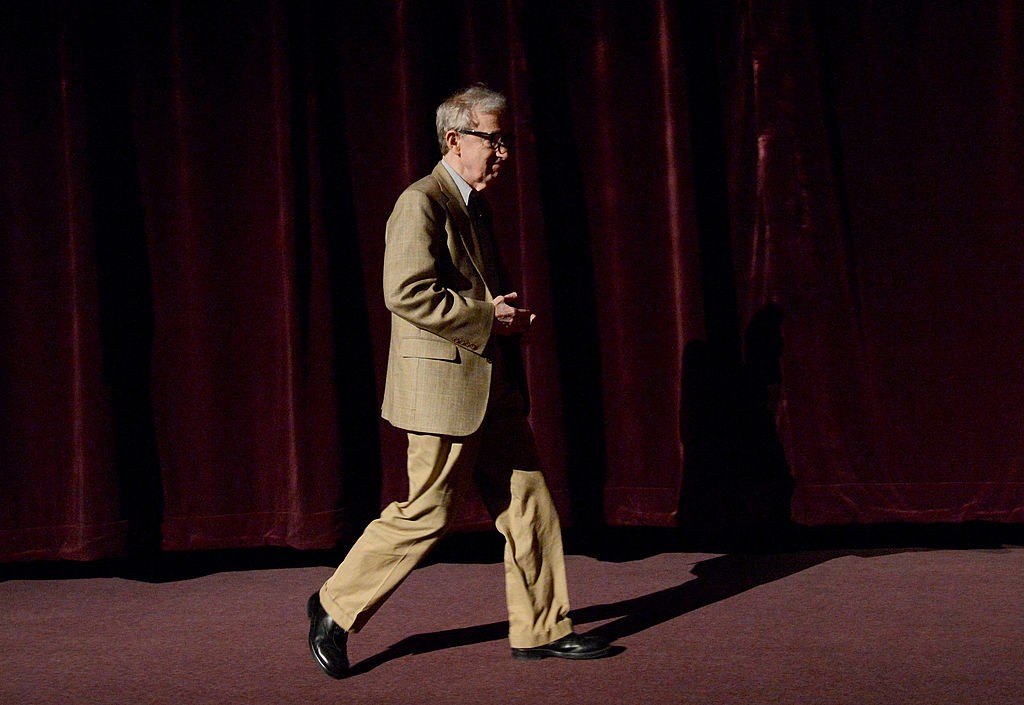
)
(509, 320)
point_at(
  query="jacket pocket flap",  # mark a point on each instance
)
(428, 349)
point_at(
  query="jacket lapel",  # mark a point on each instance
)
(464, 226)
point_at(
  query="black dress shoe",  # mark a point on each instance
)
(327, 640)
(572, 646)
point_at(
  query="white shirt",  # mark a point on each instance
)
(464, 188)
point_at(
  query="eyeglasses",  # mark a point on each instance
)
(496, 140)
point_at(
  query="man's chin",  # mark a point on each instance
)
(487, 181)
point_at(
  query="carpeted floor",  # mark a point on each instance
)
(894, 625)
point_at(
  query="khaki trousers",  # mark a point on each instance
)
(501, 460)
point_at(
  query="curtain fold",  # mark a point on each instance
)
(796, 267)
(56, 444)
(774, 247)
(640, 239)
(246, 408)
(885, 223)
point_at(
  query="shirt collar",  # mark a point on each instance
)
(464, 188)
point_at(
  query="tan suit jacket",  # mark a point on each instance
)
(436, 287)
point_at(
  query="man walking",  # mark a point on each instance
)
(454, 384)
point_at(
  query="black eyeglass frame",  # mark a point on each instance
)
(497, 140)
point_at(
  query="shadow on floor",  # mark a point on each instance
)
(712, 580)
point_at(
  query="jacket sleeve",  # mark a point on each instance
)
(423, 283)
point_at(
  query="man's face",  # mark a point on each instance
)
(474, 158)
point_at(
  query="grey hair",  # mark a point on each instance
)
(456, 113)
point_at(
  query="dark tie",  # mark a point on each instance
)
(480, 213)
(490, 267)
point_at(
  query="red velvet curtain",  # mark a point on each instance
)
(888, 224)
(775, 248)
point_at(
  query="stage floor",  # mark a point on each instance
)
(884, 625)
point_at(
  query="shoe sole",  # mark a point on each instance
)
(531, 655)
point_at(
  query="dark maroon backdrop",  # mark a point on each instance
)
(766, 239)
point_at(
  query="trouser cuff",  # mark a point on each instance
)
(529, 641)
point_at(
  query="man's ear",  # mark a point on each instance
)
(451, 138)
